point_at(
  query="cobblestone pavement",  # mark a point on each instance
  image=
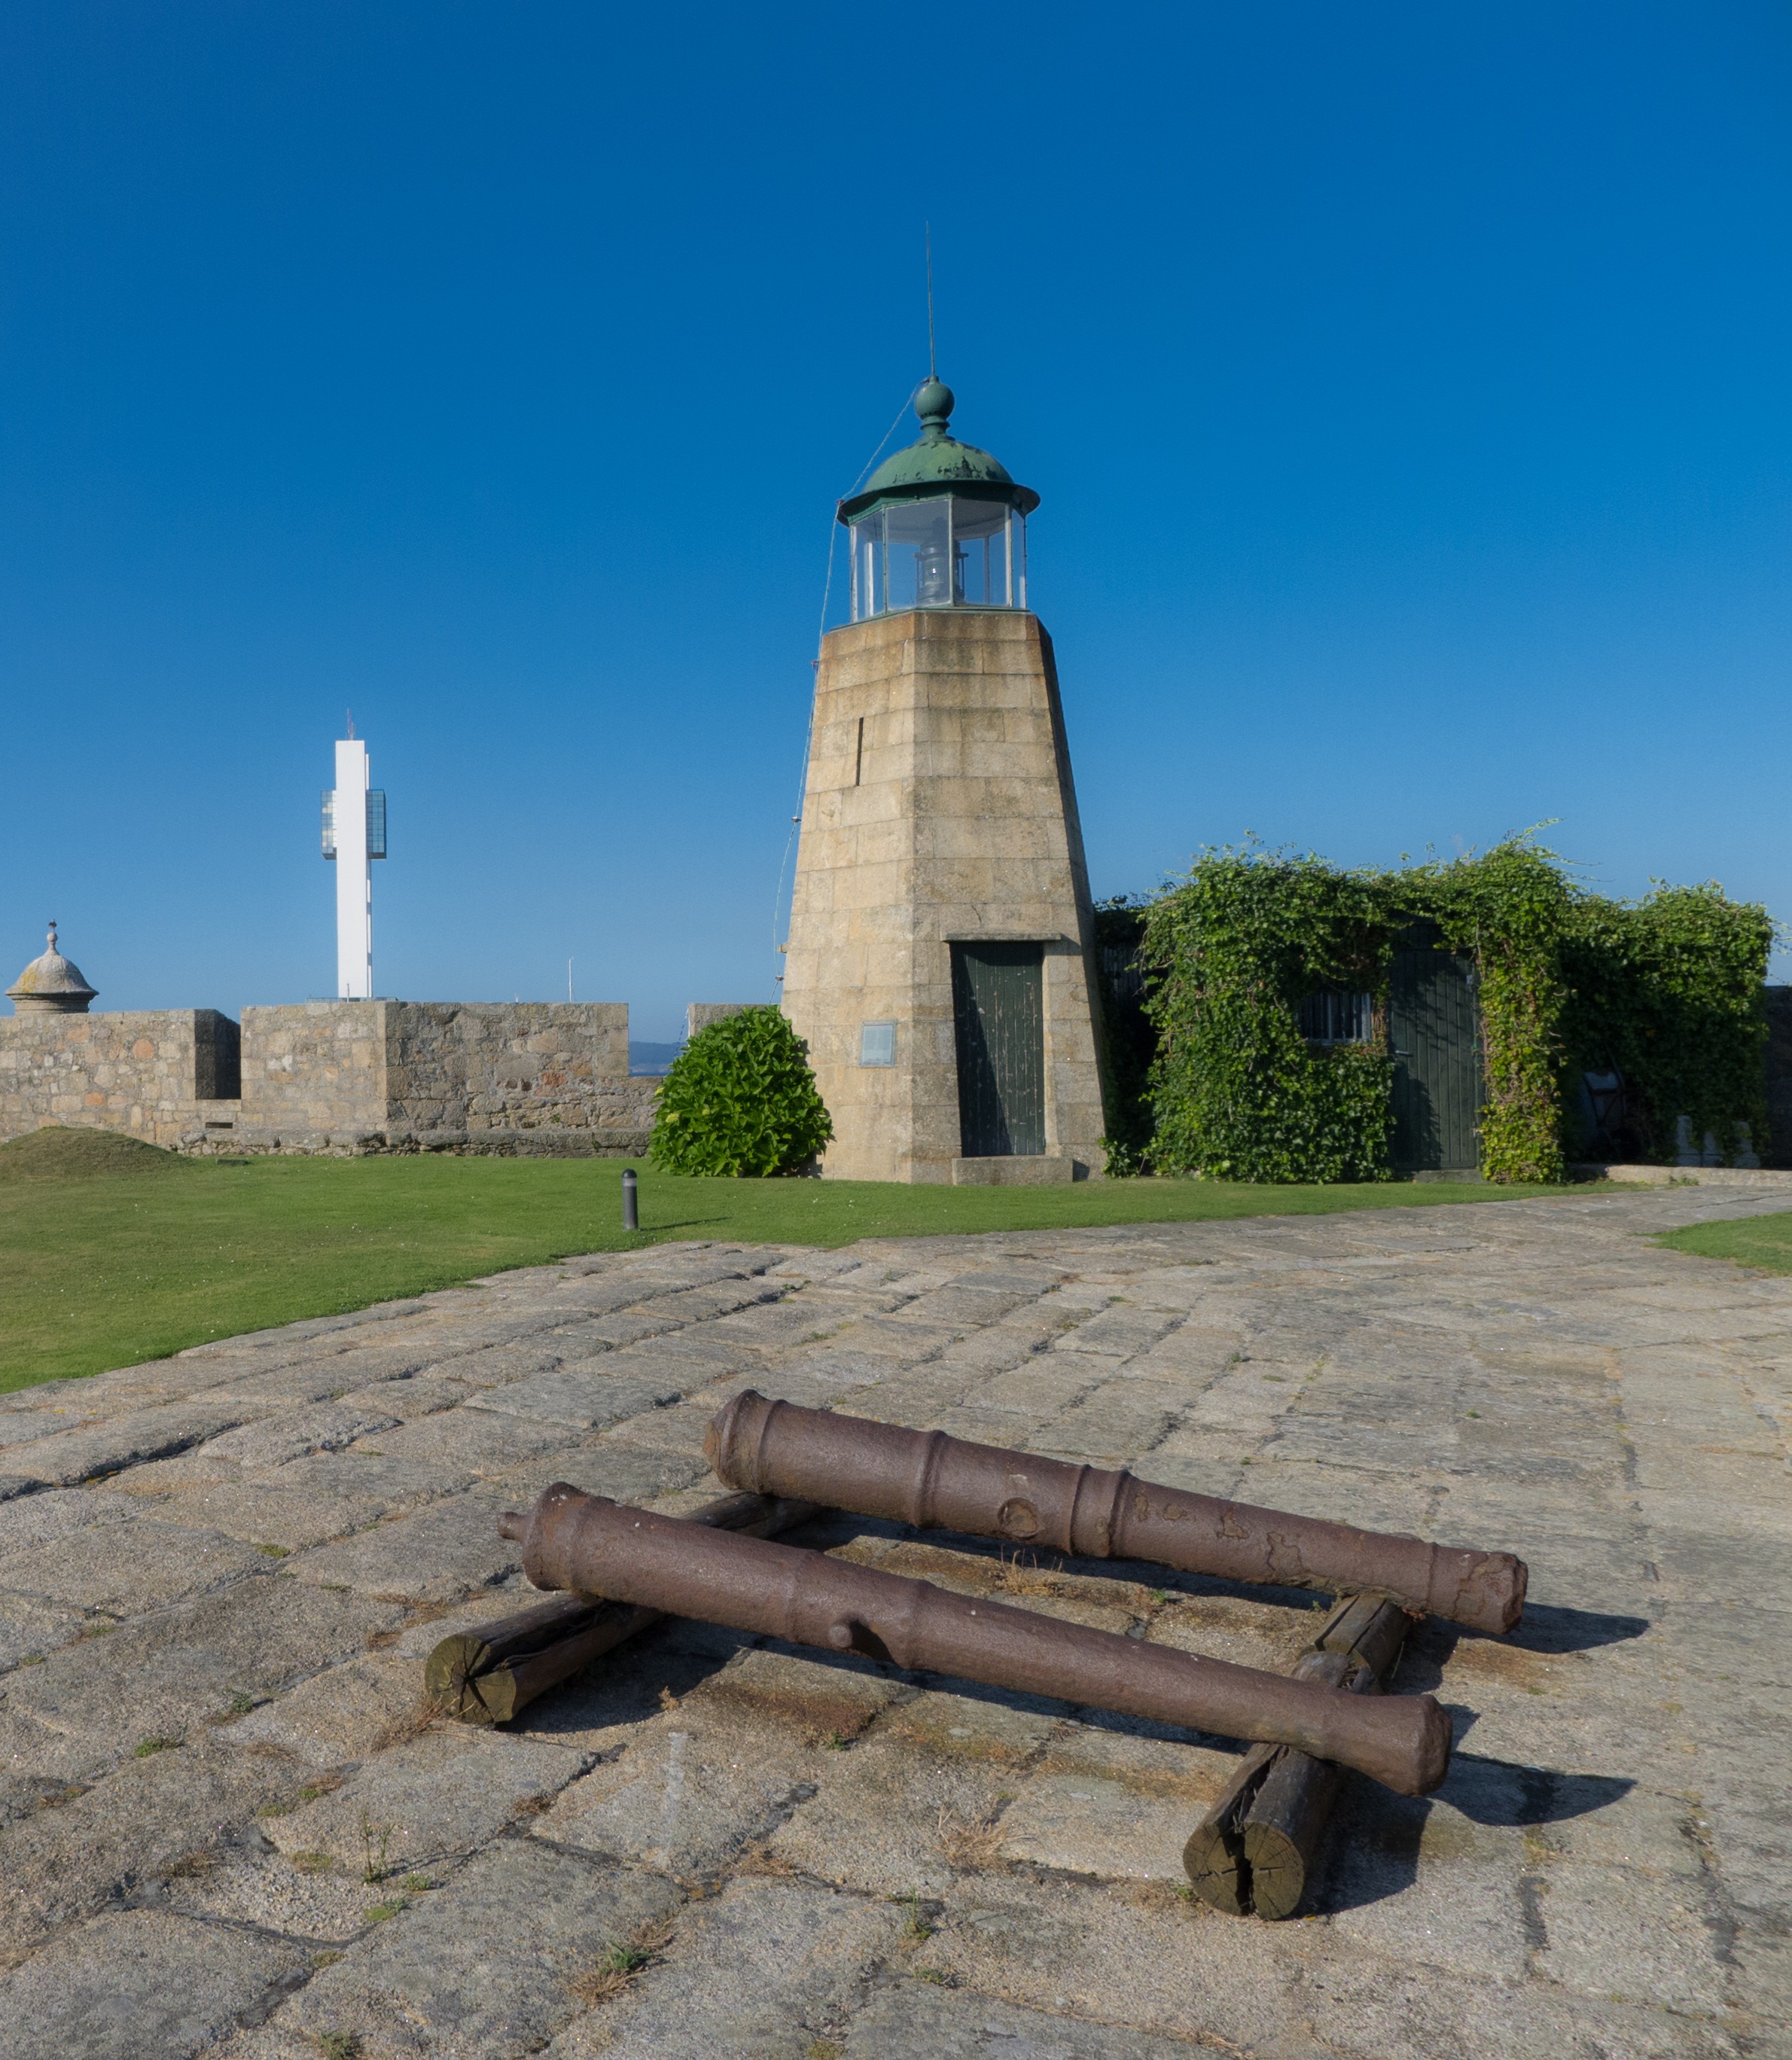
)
(230, 1829)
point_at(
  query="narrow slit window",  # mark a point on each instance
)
(858, 756)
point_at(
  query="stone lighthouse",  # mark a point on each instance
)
(940, 961)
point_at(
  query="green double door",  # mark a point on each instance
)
(1434, 1030)
(999, 1013)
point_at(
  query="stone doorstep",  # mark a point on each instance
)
(1042, 1169)
(1697, 1176)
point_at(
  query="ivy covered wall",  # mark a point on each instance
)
(1211, 1075)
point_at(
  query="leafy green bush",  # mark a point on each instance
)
(1669, 989)
(740, 1099)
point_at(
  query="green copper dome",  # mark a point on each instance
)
(938, 464)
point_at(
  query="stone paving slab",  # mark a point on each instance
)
(227, 1828)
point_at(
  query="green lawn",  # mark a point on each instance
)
(111, 1252)
(1763, 1241)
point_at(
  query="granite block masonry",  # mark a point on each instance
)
(940, 816)
(546, 1078)
(538, 1078)
(158, 1074)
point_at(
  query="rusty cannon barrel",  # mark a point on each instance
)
(587, 1543)
(937, 1482)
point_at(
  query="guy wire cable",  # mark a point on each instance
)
(821, 632)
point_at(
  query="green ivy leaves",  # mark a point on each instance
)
(1668, 989)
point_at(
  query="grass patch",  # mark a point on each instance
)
(1765, 1242)
(112, 1251)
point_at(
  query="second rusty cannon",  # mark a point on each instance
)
(935, 1482)
(587, 1543)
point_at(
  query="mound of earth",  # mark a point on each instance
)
(62, 1153)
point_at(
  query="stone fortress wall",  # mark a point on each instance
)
(541, 1078)
(149, 1073)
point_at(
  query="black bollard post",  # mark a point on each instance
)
(631, 1212)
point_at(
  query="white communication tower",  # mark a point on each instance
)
(354, 835)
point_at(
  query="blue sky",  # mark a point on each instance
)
(1407, 389)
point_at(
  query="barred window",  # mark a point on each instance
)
(1121, 969)
(1332, 1017)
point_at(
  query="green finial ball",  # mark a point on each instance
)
(935, 402)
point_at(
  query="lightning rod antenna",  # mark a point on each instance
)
(933, 362)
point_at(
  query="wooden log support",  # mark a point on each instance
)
(489, 1675)
(1251, 1854)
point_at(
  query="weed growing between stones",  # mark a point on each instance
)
(919, 1926)
(326, 1784)
(1025, 1576)
(311, 1862)
(760, 1858)
(146, 1747)
(380, 1912)
(339, 2045)
(620, 1965)
(413, 1724)
(375, 1839)
(611, 1975)
(970, 1842)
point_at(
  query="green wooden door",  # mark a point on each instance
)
(1434, 1029)
(999, 1009)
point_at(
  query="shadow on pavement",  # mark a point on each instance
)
(1378, 1838)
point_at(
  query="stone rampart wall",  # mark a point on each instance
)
(312, 1070)
(145, 1071)
(532, 1078)
(529, 1074)
(525, 1077)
